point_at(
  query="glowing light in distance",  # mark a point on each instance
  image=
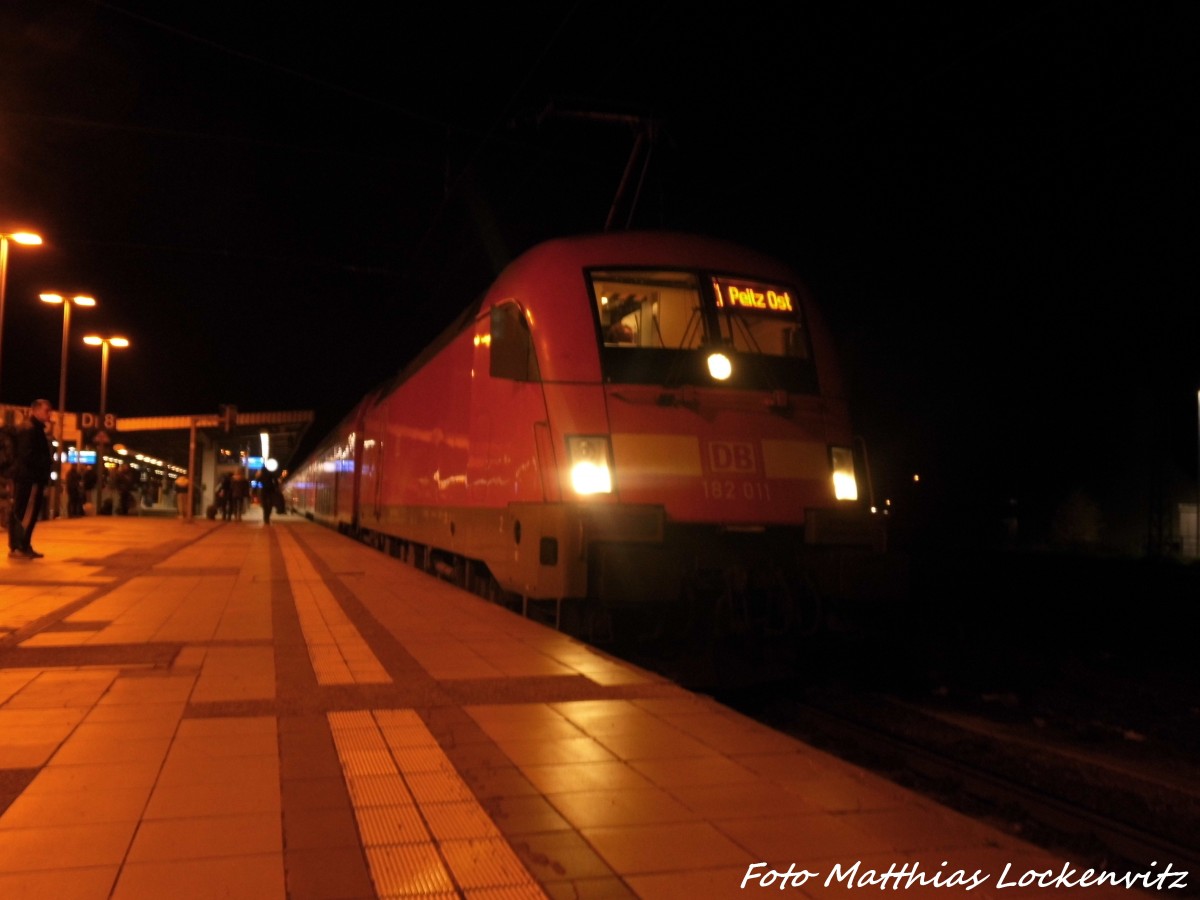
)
(79, 300)
(95, 341)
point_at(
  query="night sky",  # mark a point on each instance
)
(995, 205)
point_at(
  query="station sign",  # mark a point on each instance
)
(108, 421)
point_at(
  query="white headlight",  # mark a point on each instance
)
(589, 459)
(719, 366)
(589, 478)
(845, 485)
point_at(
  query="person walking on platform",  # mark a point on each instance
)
(268, 494)
(31, 475)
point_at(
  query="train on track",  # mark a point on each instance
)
(627, 432)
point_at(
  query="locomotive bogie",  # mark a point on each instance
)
(534, 550)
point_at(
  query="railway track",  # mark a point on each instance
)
(1091, 809)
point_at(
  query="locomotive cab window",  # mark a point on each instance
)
(648, 309)
(512, 353)
(659, 326)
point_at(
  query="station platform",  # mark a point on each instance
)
(238, 710)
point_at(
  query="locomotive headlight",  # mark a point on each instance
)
(719, 366)
(845, 485)
(591, 471)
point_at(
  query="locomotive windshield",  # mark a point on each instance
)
(657, 327)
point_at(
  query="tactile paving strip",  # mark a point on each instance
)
(378, 790)
(338, 652)
(405, 870)
(425, 833)
(384, 825)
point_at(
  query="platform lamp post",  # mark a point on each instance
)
(67, 303)
(17, 237)
(103, 343)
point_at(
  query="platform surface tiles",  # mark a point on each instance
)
(238, 710)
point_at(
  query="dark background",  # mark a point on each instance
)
(994, 204)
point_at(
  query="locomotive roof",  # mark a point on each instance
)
(549, 270)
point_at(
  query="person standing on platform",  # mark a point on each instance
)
(182, 483)
(89, 489)
(74, 493)
(126, 480)
(31, 475)
(225, 496)
(268, 494)
(240, 492)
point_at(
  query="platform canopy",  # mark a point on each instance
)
(167, 437)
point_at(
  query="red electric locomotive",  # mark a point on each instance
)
(624, 423)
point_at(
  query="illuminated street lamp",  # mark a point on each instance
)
(104, 343)
(93, 340)
(67, 303)
(19, 237)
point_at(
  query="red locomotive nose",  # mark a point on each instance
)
(616, 411)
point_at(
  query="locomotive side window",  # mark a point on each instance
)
(512, 353)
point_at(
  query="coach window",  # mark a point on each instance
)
(512, 345)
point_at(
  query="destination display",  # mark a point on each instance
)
(753, 295)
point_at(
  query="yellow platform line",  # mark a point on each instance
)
(338, 652)
(424, 832)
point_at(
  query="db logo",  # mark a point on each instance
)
(731, 456)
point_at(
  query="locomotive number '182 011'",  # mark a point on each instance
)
(736, 489)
